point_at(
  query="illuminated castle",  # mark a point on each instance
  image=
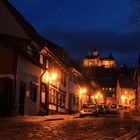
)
(94, 60)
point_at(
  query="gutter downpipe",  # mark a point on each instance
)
(47, 93)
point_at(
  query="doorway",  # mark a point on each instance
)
(22, 98)
(6, 97)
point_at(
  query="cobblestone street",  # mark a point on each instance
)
(88, 128)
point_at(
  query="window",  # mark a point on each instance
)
(41, 59)
(52, 96)
(63, 79)
(33, 91)
(43, 92)
(61, 100)
(29, 51)
(44, 61)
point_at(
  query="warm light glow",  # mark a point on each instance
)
(84, 90)
(92, 97)
(96, 96)
(45, 77)
(101, 96)
(54, 76)
(125, 92)
(123, 97)
(98, 93)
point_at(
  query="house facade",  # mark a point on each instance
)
(125, 91)
(137, 88)
(23, 72)
(36, 75)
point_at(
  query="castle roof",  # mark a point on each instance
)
(92, 57)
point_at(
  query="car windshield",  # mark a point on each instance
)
(88, 106)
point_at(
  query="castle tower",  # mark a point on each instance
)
(94, 60)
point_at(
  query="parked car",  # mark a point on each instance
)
(114, 106)
(102, 109)
(88, 110)
(107, 109)
(120, 107)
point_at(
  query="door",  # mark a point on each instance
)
(44, 103)
(22, 98)
(70, 103)
(6, 97)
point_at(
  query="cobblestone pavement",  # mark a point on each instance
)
(88, 128)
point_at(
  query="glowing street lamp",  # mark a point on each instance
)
(123, 97)
(54, 76)
(92, 97)
(125, 92)
(84, 90)
(101, 96)
(96, 96)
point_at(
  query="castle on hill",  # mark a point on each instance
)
(95, 60)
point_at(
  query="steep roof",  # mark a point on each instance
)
(24, 24)
(91, 57)
(18, 45)
(126, 77)
(104, 77)
(126, 82)
(34, 35)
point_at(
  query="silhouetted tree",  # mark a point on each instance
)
(139, 59)
(135, 16)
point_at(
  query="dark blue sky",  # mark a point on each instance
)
(80, 25)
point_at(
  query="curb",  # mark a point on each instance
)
(54, 119)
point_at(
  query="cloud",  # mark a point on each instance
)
(78, 42)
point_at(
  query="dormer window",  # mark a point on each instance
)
(44, 61)
(29, 51)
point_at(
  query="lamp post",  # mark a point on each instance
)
(93, 98)
(98, 97)
(82, 91)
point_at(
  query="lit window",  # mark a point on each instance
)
(52, 96)
(41, 59)
(44, 61)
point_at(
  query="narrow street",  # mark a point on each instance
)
(106, 127)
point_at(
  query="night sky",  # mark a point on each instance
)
(82, 25)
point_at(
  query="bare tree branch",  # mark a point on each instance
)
(134, 18)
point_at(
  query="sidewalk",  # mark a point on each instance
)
(37, 118)
(32, 127)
